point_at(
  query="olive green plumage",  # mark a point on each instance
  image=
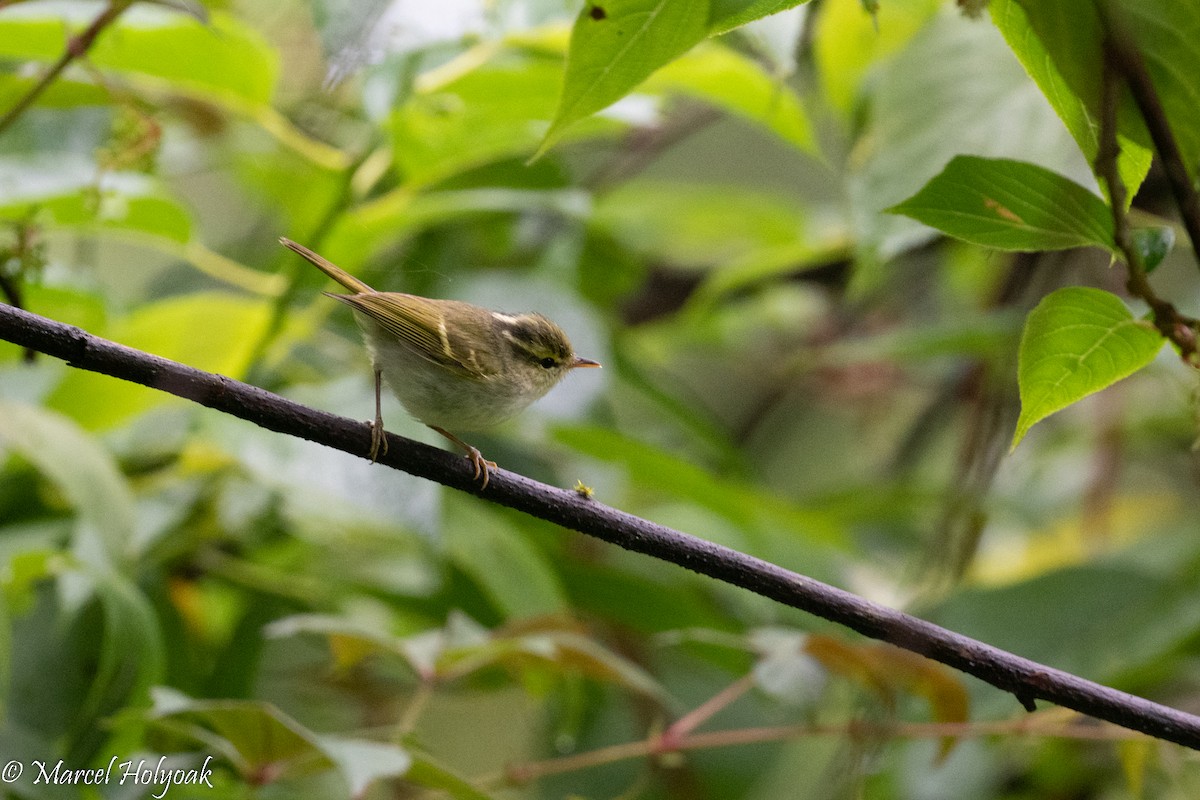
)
(452, 364)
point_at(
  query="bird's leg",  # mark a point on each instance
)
(378, 439)
(481, 464)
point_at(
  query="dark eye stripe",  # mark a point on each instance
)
(538, 338)
(524, 333)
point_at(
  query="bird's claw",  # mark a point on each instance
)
(379, 445)
(482, 466)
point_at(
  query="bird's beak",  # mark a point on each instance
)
(584, 362)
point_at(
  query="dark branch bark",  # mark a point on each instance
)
(1027, 680)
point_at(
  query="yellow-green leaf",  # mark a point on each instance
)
(1059, 45)
(718, 75)
(1076, 342)
(1010, 205)
(84, 472)
(617, 44)
(213, 332)
(225, 59)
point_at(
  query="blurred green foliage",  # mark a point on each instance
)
(696, 192)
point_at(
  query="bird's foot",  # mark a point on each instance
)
(379, 445)
(483, 467)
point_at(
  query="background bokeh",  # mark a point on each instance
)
(788, 370)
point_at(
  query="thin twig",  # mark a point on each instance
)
(1174, 326)
(1123, 55)
(76, 47)
(682, 728)
(525, 773)
(1025, 679)
(644, 145)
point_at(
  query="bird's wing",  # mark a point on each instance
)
(420, 324)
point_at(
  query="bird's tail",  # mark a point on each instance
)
(328, 267)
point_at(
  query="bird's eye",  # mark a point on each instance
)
(548, 363)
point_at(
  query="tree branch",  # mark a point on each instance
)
(1030, 727)
(1027, 680)
(1122, 52)
(1173, 325)
(76, 47)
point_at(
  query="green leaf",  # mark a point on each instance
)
(463, 647)
(719, 75)
(573, 651)
(497, 110)
(350, 641)
(88, 656)
(401, 214)
(132, 655)
(545, 643)
(263, 741)
(969, 333)
(64, 191)
(697, 225)
(1010, 205)
(226, 59)
(1153, 244)
(725, 15)
(1166, 31)
(827, 243)
(739, 503)
(851, 44)
(956, 88)
(1135, 755)
(213, 332)
(165, 55)
(1108, 620)
(1077, 341)
(427, 772)
(73, 306)
(84, 472)
(255, 735)
(617, 44)
(1059, 45)
(514, 574)
(647, 602)
(62, 93)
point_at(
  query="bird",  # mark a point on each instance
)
(452, 364)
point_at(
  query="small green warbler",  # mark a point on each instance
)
(452, 364)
